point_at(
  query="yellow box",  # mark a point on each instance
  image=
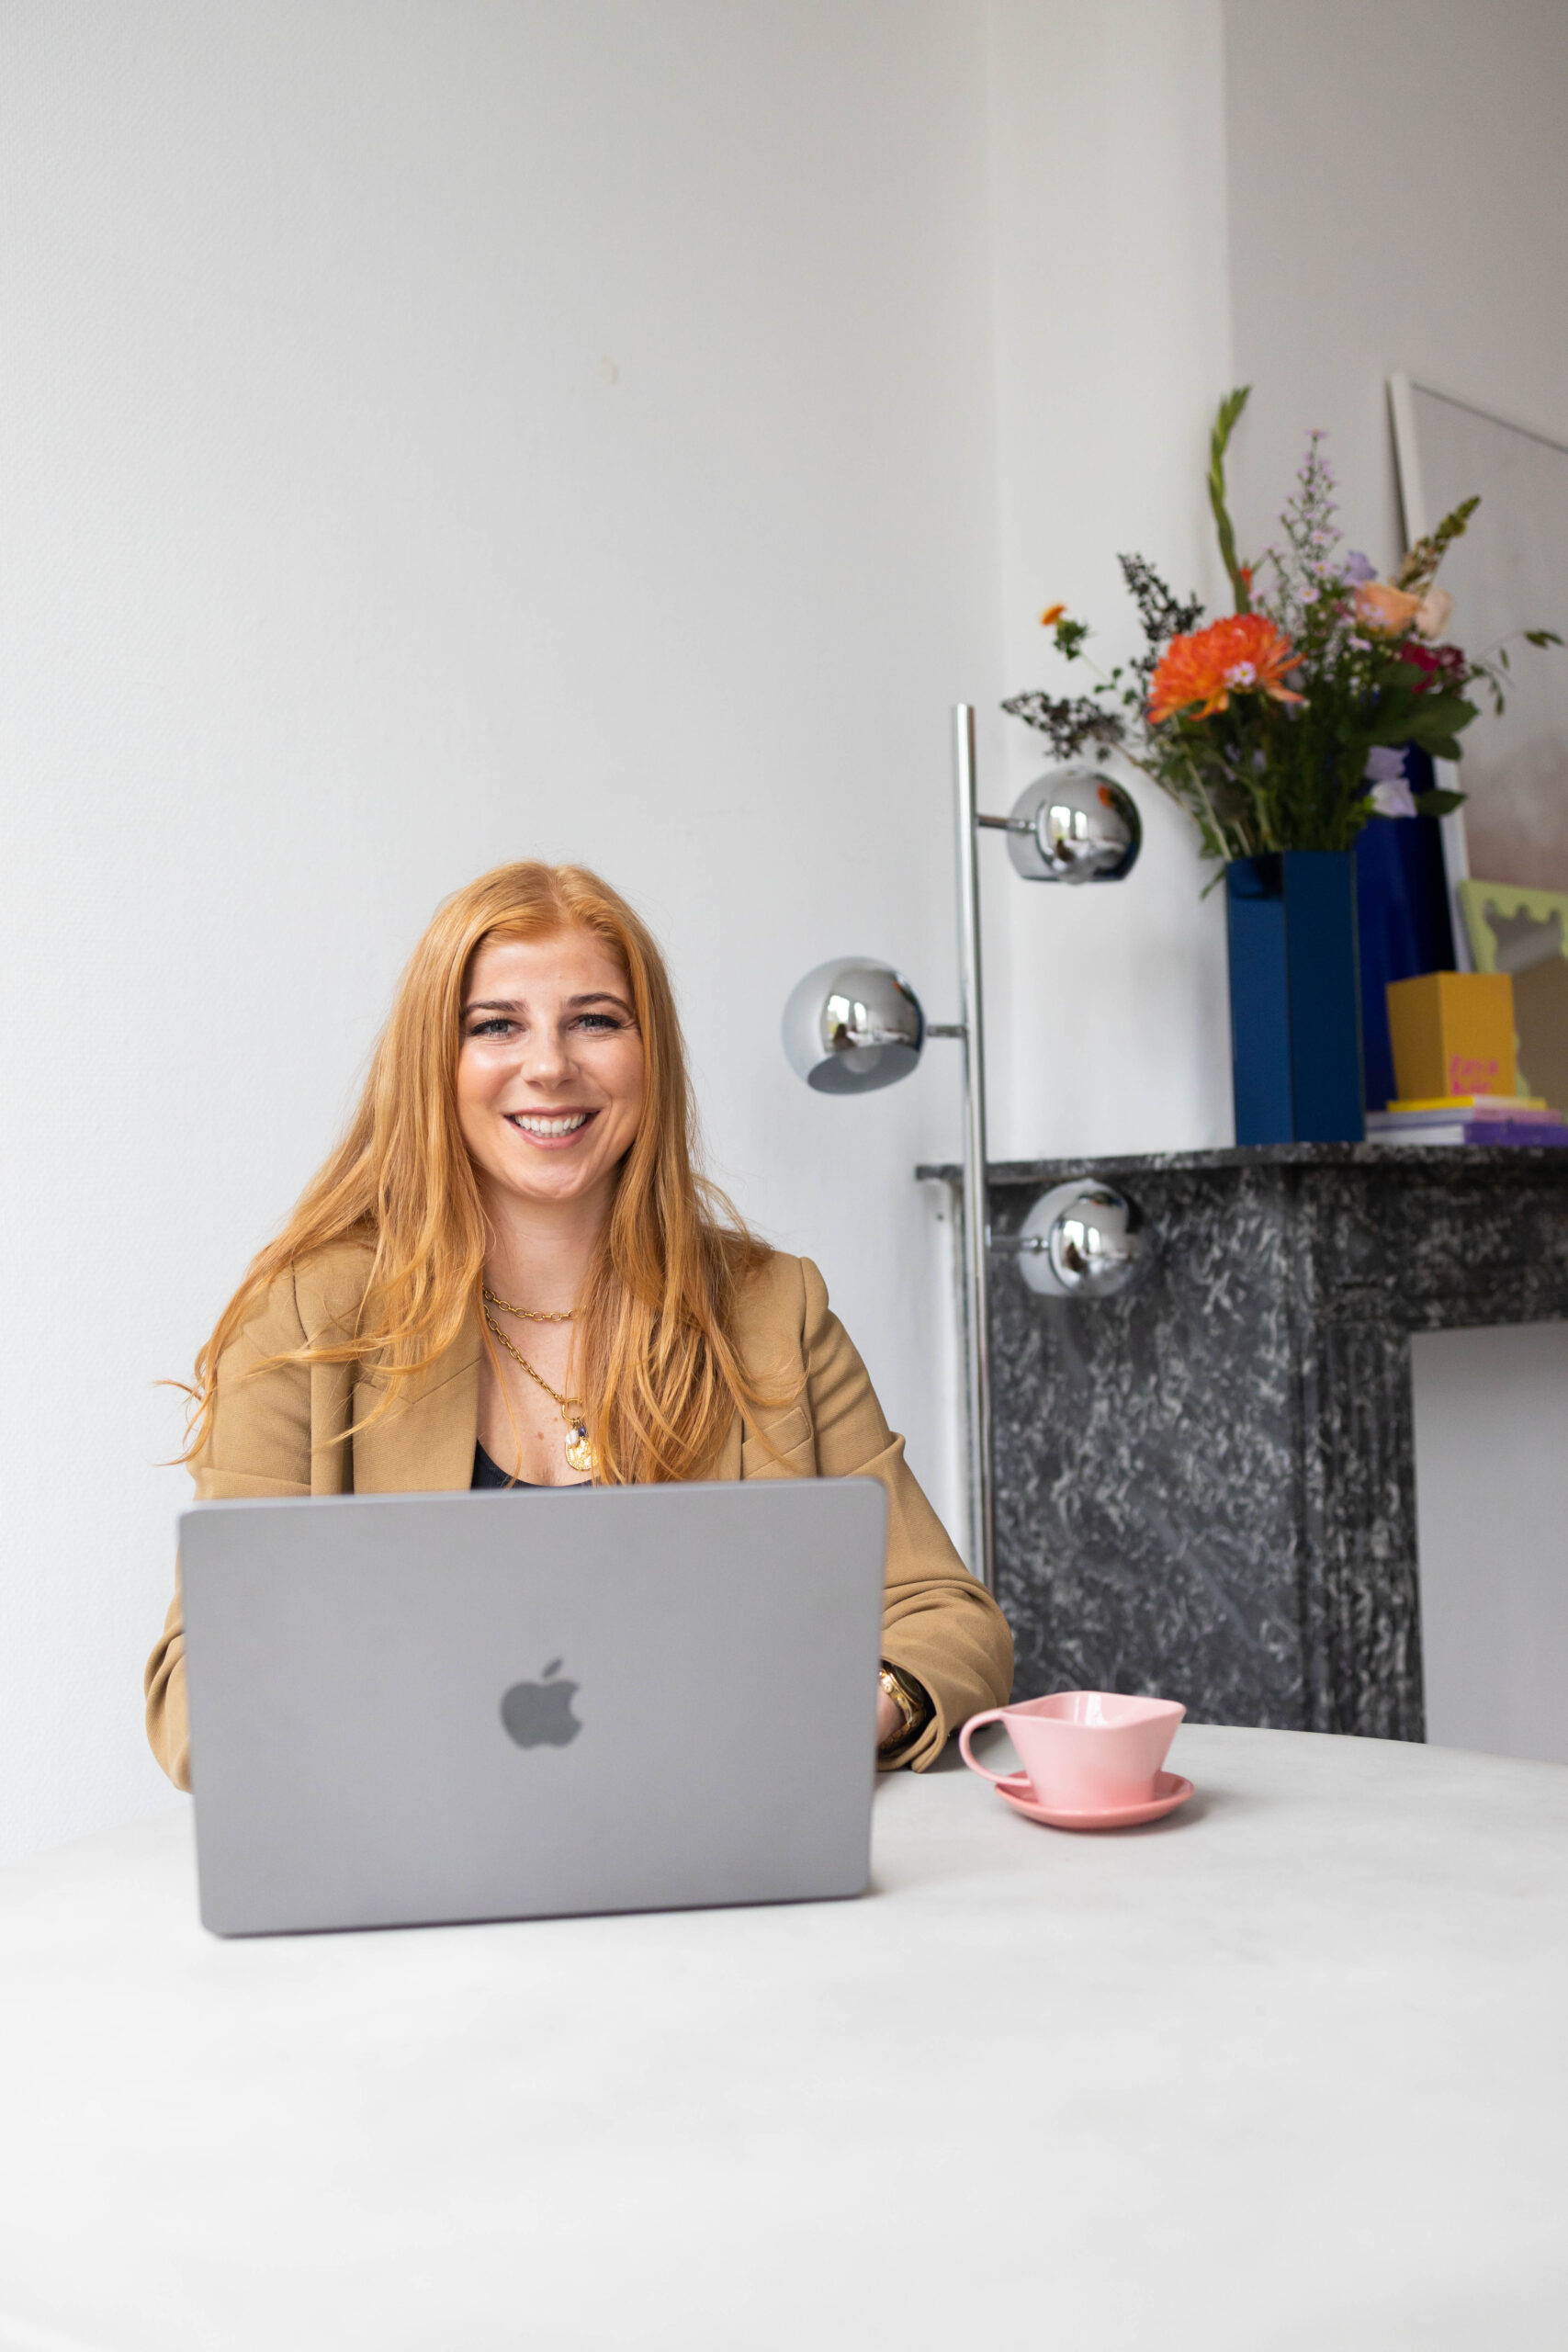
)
(1452, 1033)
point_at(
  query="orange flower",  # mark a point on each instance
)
(1051, 615)
(1244, 653)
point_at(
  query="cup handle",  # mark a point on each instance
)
(991, 1715)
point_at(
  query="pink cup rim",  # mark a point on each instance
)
(1057, 1707)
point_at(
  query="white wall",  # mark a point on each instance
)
(449, 434)
(1112, 346)
(1398, 199)
(1491, 1487)
(437, 435)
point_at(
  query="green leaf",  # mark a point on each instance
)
(1451, 710)
(1443, 747)
(1436, 720)
(1438, 804)
(1219, 441)
(1395, 725)
(1541, 636)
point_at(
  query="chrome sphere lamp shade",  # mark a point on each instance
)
(852, 1025)
(1081, 1239)
(855, 1023)
(1073, 826)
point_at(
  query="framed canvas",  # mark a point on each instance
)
(1508, 573)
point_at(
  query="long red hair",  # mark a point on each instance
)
(658, 1364)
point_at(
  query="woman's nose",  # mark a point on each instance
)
(547, 1059)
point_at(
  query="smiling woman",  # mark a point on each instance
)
(510, 1273)
(550, 1090)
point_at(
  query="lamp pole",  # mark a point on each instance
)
(976, 1281)
(855, 1023)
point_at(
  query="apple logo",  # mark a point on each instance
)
(538, 1714)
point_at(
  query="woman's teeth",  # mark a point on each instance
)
(565, 1125)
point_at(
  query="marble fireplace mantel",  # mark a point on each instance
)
(1206, 1486)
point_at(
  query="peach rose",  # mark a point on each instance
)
(1384, 608)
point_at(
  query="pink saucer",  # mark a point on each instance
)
(1170, 1790)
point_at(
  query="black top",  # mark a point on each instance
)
(490, 1473)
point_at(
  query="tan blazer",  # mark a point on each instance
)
(283, 1433)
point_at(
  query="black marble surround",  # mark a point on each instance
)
(1206, 1488)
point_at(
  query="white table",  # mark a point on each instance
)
(1285, 2070)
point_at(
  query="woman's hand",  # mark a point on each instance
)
(889, 1721)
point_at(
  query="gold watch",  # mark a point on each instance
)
(910, 1701)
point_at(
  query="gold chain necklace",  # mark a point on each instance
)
(530, 1314)
(580, 1454)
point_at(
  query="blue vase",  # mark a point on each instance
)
(1405, 926)
(1295, 997)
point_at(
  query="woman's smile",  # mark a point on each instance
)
(552, 1128)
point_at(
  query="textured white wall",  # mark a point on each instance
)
(437, 435)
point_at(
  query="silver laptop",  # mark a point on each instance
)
(419, 1708)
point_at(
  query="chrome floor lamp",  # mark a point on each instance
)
(855, 1023)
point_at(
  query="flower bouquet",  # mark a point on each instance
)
(1285, 728)
(1283, 724)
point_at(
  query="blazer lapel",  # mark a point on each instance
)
(425, 1443)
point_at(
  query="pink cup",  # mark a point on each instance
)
(1084, 1751)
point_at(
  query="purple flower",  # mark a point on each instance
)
(1390, 795)
(1392, 800)
(1358, 569)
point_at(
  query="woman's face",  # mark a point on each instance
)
(551, 1067)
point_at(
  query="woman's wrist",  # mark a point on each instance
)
(904, 1708)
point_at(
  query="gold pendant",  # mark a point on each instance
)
(580, 1454)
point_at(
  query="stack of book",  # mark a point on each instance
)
(1489, 1119)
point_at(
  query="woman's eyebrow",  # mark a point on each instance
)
(511, 1004)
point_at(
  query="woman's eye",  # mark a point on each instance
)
(491, 1028)
(600, 1021)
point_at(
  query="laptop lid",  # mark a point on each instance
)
(419, 1708)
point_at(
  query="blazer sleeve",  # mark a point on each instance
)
(258, 1445)
(938, 1623)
